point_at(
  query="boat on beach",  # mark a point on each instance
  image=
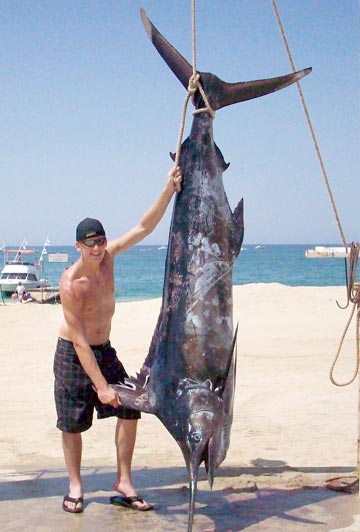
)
(18, 268)
(47, 294)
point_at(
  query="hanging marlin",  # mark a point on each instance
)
(188, 377)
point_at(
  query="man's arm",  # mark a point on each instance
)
(71, 301)
(150, 219)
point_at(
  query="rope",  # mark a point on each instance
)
(350, 381)
(353, 297)
(324, 173)
(353, 288)
(193, 86)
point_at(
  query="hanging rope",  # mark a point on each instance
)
(324, 173)
(193, 86)
(349, 484)
(353, 297)
(353, 288)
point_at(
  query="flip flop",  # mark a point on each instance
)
(128, 502)
(79, 500)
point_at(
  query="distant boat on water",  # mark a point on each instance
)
(259, 247)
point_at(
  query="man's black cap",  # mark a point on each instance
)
(89, 228)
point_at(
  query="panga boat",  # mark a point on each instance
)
(20, 269)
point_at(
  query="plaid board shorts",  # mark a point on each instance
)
(75, 397)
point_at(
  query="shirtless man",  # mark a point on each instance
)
(85, 363)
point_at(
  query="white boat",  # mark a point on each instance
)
(20, 269)
(322, 252)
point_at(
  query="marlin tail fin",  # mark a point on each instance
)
(219, 93)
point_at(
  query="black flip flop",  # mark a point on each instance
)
(79, 500)
(128, 502)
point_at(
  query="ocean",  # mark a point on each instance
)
(139, 272)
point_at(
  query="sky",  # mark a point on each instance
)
(90, 112)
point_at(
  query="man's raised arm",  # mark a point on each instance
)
(151, 218)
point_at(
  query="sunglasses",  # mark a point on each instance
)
(91, 242)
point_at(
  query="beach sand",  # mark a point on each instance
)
(292, 430)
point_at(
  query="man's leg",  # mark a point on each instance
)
(72, 446)
(125, 436)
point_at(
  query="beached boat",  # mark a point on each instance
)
(48, 294)
(19, 268)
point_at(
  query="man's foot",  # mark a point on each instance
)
(129, 498)
(73, 506)
(135, 503)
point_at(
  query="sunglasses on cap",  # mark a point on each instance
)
(91, 242)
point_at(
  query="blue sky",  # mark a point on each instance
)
(90, 112)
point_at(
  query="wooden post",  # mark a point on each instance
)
(358, 442)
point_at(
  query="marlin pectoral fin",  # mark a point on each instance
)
(219, 444)
(133, 392)
(210, 458)
(231, 366)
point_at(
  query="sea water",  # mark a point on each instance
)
(139, 272)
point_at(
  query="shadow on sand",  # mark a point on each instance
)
(270, 496)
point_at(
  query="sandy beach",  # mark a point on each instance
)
(293, 429)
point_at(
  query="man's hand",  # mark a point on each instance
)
(108, 396)
(174, 177)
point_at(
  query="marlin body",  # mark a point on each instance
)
(188, 377)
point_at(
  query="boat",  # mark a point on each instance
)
(47, 294)
(19, 268)
(323, 252)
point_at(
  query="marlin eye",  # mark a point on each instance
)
(196, 437)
